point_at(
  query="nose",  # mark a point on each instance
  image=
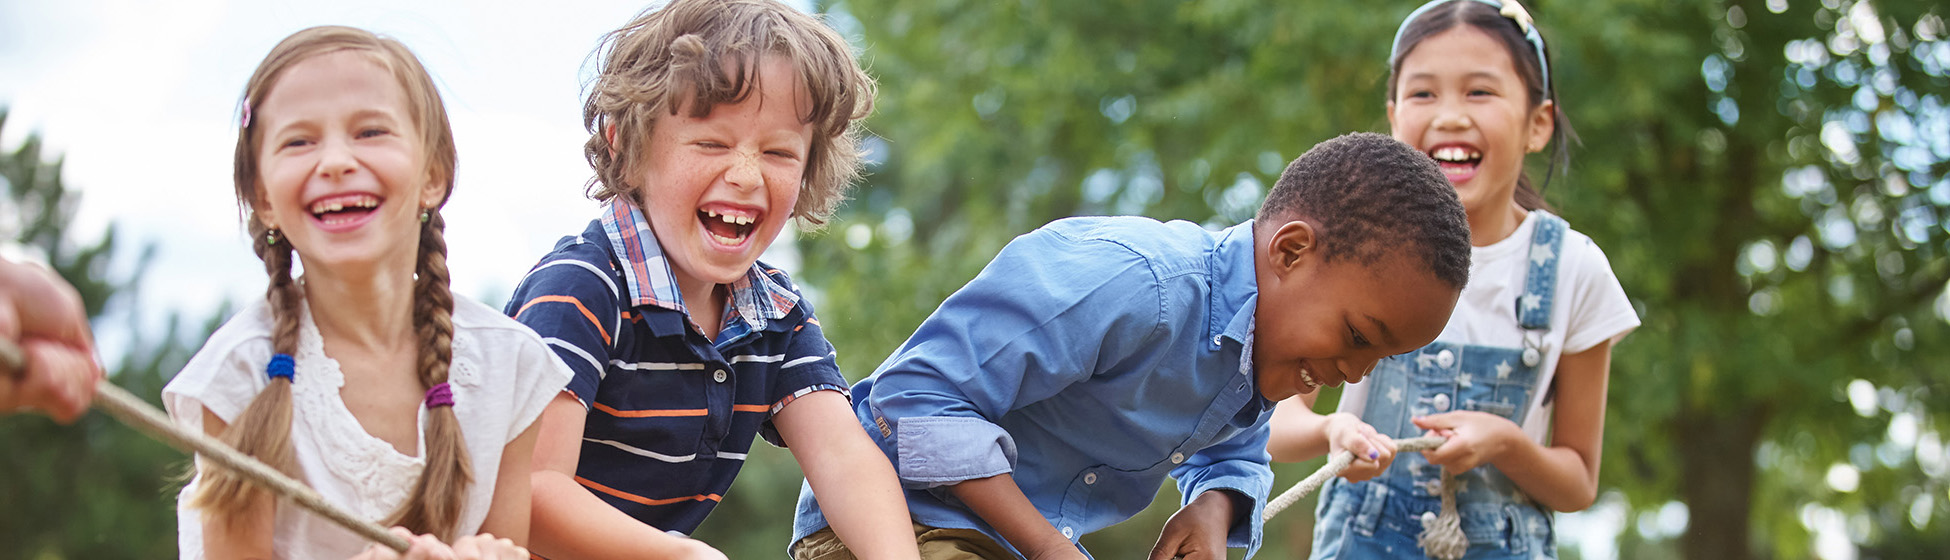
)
(1360, 369)
(1450, 116)
(744, 173)
(335, 158)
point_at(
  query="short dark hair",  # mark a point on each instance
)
(1368, 194)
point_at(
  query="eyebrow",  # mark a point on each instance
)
(1471, 75)
(1387, 336)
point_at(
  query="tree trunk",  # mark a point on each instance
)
(1718, 482)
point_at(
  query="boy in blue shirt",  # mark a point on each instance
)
(1050, 396)
(712, 124)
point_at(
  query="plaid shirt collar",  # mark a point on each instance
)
(755, 298)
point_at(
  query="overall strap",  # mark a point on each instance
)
(1546, 243)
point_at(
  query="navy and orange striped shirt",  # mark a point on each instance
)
(671, 414)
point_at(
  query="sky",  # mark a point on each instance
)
(140, 99)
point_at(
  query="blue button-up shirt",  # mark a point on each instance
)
(1090, 359)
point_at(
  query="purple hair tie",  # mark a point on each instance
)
(280, 366)
(440, 395)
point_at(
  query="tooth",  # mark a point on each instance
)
(743, 220)
(711, 213)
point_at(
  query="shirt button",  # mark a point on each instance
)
(1441, 402)
(718, 376)
(1177, 458)
(1445, 358)
(1215, 339)
(1069, 533)
(1089, 478)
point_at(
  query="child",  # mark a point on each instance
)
(366, 379)
(1050, 396)
(712, 124)
(1534, 328)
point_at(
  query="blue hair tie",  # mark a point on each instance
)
(281, 366)
(1509, 9)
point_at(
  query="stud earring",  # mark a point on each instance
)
(425, 215)
(271, 236)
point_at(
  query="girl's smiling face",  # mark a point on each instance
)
(341, 171)
(1459, 99)
(718, 189)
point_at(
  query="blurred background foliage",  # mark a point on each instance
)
(1767, 177)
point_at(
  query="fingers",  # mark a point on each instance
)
(45, 306)
(58, 380)
(485, 546)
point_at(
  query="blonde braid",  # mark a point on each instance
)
(263, 430)
(435, 504)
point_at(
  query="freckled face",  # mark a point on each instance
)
(717, 190)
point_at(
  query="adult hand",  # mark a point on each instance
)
(1372, 451)
(43, 317)
(1197, 532)
(1475, 438)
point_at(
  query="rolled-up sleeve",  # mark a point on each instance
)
(1238, 464)
(1047, 313)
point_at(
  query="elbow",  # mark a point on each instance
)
(1576, 501)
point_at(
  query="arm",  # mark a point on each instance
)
(1564, 475)
(571, 522)
(508, 514)
(1300, 434)
(1002, 504)
(1235, 469)
(854, 483)
(242, 534)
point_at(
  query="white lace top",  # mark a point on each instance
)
(502, 376)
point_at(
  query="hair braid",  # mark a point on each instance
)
(435, 504)
(263, 430)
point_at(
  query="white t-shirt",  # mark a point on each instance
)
(502, 376)
(1588, 308)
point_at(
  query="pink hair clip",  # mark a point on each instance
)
(247, 114)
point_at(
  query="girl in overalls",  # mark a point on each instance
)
(1516, 381)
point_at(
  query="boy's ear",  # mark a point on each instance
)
(1292, 244)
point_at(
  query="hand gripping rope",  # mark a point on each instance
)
(139, 414)
(1442, 535)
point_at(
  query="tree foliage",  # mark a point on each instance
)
(94, 489)
(1767, 178)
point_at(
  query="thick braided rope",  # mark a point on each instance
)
(1336, 463)
(136, 413)
(1442, 536)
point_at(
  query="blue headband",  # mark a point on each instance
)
(1511, 10)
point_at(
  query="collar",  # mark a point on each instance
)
(757, 298)
(1235, 290)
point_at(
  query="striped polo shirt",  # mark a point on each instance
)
(671, 414)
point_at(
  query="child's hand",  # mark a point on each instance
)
(1197, 532)
(486, 547)
(1372, 451)
(422, 547)
(1475, 438)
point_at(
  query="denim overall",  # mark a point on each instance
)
(1381, 518)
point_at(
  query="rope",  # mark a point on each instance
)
(1442, 535)
(142, 416)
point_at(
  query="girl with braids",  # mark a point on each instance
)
(365, 378)
(1517, 380)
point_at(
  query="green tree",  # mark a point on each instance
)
(94, 489)
(1767, 178)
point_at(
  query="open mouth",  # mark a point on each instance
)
(1307, 378)
(1458, 162)
(344, 209)
(728, 226)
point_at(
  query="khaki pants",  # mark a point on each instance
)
(935, 543)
